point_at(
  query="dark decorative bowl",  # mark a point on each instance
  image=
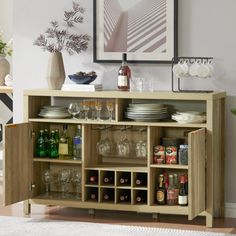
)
(81, 79)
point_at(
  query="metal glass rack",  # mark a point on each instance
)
(189, 60)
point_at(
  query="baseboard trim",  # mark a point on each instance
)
(230, 210)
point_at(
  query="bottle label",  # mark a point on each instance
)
(160, 196)
(122, 80)
(63, 149)
(183, 200)
(77, 140)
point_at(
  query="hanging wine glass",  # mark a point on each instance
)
(76, 180)
(141, 146)
(124, 145)
(74, 109)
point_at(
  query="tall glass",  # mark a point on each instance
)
(110, 108)
(64, 177)
(47, 178)
(86, 105)
(98, 107)
(76, 180)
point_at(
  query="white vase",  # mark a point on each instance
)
(56, 71)
(4, 68)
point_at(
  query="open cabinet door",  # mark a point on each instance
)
(197, 156)
(18, 162)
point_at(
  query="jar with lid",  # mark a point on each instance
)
(183, 155)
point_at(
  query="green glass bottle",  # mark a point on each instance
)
(40, 146)
(46, 141)
(53, 150)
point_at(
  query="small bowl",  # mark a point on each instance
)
(80, 79)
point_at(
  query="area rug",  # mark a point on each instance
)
(13, 226)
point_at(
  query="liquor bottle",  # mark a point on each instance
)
(77, 144)
(186, 183)
(57, 135)
(176, 186)
(171, 197)
(40, 146)
(124, 75)
(64, 145)
(183, 196)
(53, 150)
(141, 197)
(161, 191)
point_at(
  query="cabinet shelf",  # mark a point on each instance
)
(57, 161)
(164, 166)
(119, 167)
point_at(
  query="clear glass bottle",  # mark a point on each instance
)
(124, 75)
(77, 144)
(64, 145)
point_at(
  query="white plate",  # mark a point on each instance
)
(58, 116)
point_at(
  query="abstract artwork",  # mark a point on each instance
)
(145, 29)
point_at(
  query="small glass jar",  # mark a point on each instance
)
(183, 154)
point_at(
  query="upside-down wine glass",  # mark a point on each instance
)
(141, 146)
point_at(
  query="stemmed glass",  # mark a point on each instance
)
(105, 145)
(64, 177)
(124, 145)
(141, 146)
(85, 105)
(110, 108)
(98, 107)
(92, 108)
(76, 180)
(47, 179)
(74, 109)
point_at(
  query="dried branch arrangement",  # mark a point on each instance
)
(57, 39)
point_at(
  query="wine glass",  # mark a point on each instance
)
(141, 146)
(105, 145)
(110, 108)
(76, 180)
(47, 178)
(92, 108)
(124, 145)
(98, 107)
(74, 109)
(85, 105)
(64, 177)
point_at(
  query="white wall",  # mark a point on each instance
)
(206, 28)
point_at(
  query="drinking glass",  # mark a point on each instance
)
(85, 105)
(64, 177)
(124, 145)
(98, 107)
(76, 180)
(110, 108)
(47, 178)
(74, 109)
(141, 146)
(92, 109)
(105, 145)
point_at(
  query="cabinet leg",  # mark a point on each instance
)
(91, 212)
(209, 220)
(156, 216)
(27, 207)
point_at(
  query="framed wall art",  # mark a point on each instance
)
(144, 29)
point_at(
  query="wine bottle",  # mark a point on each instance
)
(108, 196)
(108, 180)
(141, 197)
(161, 191)
(141, 180)
(64, 145)
(124, 197)
(93, 179)
(93, 196)
(183, 196)
(124, 75)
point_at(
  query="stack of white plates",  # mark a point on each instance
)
(189, 117)
(146, 112)
(54, 112)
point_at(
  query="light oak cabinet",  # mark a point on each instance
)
(22, 170)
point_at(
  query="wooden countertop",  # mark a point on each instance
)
(6, 89)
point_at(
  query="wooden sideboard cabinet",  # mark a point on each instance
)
(205, 169)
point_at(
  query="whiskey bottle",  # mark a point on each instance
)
(161, 191)
(183, 196)
(124, 75)
(64, 145)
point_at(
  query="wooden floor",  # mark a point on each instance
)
(113, 217)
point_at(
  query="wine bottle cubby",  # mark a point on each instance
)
(121, 158)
